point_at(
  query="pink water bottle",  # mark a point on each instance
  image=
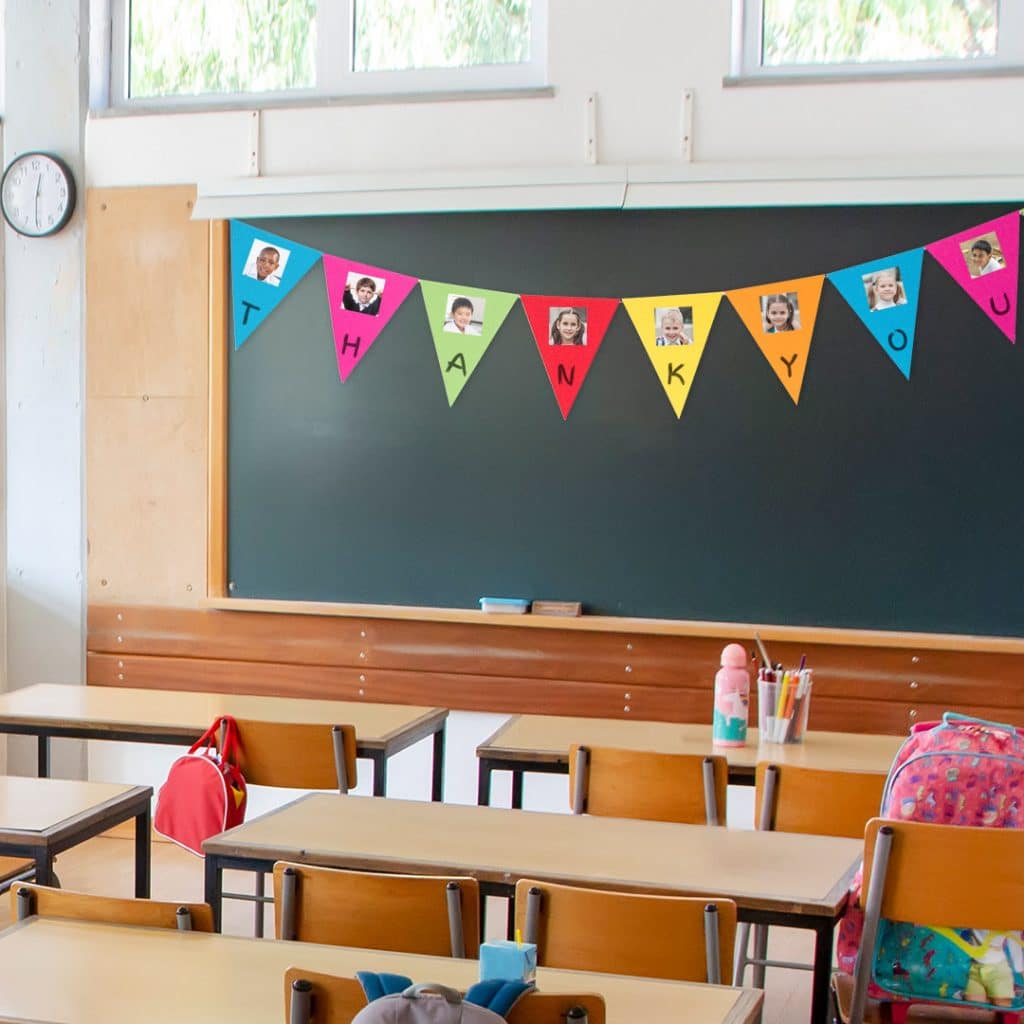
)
(732, 698)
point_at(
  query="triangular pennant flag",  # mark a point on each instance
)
(885, 294)
(569, 331)
(363, 299)
(674, 330)
(983, 260)
(463, 321)
(264, 269)
(780, 317)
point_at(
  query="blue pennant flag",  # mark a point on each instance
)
(264, 269)
(884, 294)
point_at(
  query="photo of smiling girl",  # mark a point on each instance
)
(884, 289)
(781, 313)
(568, 326)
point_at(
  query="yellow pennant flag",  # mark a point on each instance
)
(780, 317)
(674, 330)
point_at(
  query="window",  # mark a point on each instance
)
(197, 51)
(873, 37)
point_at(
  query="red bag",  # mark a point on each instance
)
(204, 793)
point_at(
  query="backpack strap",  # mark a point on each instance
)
(497, 995)
(377, 984)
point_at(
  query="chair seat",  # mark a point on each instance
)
(920, 1013)
(13, 867)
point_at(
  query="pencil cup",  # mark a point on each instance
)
(783, 700)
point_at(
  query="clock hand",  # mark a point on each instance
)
(39, 190)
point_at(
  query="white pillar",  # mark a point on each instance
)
(45, 105)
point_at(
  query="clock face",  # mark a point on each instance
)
(37, 194)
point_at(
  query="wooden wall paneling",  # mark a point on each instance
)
(146, 396)
(217, 501)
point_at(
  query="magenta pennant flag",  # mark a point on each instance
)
(363, 299)
(984, 261)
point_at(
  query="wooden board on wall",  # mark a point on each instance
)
(147, 347)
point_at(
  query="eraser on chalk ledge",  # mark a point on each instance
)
(505, 605)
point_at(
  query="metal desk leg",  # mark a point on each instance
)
(380, 773)
(43, 763)
(823, 933)
(517, 790)
(142, 854)
(44, 867)
(437, 782)
(483, 782)
(213, 887)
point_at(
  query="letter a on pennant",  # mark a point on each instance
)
(568, 331)
(780, 317)
(674, 330)
(983, 260)
(463, 321)
(362, 300)
(264, 269)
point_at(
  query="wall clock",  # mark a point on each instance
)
(37, 194)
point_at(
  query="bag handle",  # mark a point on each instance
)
(954, 719)
(451, 995)
(210, 739)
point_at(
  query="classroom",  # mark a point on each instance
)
(209, 490)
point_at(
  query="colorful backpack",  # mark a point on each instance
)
(960, 771)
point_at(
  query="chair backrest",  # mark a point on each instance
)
(624, 933)
(313, 998)
(618, 783)
(27, 899)
(790, 798)
(297, 755)
(407, 913)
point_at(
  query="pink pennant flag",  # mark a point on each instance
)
(363, 299)
(984, 261)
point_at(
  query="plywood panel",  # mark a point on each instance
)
(146, 396)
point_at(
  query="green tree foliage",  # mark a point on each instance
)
(855, 31)
(194, 46)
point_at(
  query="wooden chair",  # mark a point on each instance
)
(940, 875)
(293, 755)
(313, 998)
(789, 798)
(407, 913)
(611, 782)
(29, 899)
(682, 938)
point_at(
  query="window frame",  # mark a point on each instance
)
(747, 36)
(335, 79)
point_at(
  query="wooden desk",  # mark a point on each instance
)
(775, 877)
(40, 818)
(540, 743)
(180, 717)
(79, 973)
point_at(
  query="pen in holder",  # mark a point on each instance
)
(783, 700)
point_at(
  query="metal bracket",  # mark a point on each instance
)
(590, 129)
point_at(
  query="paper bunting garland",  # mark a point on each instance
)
(984, 262)
(674, 330)
(264, 269)
(362, 299)
(780, 317)
(885, 295)
(463, 322)
(568, 331)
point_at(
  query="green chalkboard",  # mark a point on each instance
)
(875, 503)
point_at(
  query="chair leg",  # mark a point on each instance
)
(260, 905)
(742, 952)
(760, 953)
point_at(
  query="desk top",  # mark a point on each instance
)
(35, 805)
(173, 712)
(779, 871)
(545, 739)
(80, 973)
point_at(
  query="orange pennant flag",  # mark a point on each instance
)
(780, 317)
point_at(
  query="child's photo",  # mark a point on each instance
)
(266, 262)
(983, 255)
(464, 314)
(780, 312)
(568, 325)
(884, 289)
(673, 325)
(362, 293)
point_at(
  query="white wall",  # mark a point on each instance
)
(638, 60)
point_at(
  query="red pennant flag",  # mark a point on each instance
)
(569, 331)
